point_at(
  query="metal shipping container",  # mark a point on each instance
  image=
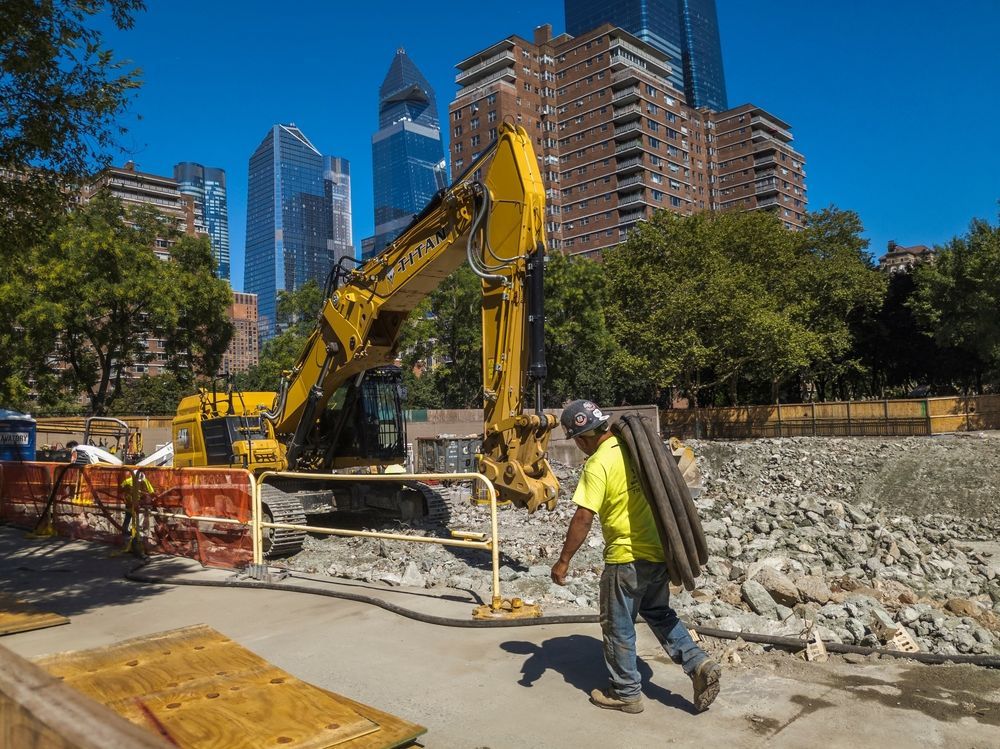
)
(446, 454)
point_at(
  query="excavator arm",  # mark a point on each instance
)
(491, 217)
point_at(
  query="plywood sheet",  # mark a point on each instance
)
(18, 616)
(197, 688)
(393, 731)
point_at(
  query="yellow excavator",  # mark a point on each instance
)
(340, 407)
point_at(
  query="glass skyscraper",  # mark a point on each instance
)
(686, 30)
(407, 153)
(207, 185)
(298, 218)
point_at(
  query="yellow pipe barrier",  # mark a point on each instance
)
(492, 543)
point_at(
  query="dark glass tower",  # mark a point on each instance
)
(704, 79)
(687, 31)
(207, 185)
(298, 218)
(407, 153)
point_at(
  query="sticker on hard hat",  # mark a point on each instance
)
(589, 406)
(598, 414)
(580, 419)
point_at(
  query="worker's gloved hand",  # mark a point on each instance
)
(559, 572)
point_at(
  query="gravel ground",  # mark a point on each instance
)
(853, 537)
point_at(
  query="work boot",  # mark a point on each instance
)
(605, 699)
(706, 683)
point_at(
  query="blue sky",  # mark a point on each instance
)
(894, 103)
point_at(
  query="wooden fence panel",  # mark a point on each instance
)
(883, 418)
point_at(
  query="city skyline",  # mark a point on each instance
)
(863, 126)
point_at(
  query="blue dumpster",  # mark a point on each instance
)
(17, 435)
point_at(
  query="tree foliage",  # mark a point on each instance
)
(578, 344)
(151, 396)
(62, 93)
(714, 304)
(97, 291)
(956, 301)
(446, 331)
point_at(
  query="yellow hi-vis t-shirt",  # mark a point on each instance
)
(610, 487)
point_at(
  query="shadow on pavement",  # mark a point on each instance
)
(580, 661)
(69, 577)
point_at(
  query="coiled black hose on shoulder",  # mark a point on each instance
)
(676, 517)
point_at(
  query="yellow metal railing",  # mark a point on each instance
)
(498, 606)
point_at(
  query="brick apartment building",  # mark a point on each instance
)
(243, 351)
(615, 140)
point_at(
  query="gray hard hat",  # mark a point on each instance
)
(582, 416)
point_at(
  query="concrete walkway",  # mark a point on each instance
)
(515, 687)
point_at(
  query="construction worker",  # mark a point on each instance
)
(134, 487)
(635, 580)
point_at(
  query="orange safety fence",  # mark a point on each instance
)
(90, 503)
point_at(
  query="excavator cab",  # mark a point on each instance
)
(365, 420)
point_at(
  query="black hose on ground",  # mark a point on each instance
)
(788, 643)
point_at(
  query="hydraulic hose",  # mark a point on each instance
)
(786, 643)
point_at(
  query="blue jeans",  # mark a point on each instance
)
(628, 590)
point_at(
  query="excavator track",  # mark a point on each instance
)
(283, 508)
(438, 509)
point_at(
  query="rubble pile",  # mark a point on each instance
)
(852, 538)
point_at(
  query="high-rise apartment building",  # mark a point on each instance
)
(298, 218)
(207, 185)
(754, 165)
(244, 348)
(407, 152)
(686, 31)
(615, 140)
(134, 188)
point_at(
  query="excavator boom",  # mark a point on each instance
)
(493, 218)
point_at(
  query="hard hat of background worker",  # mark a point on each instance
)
(582, 416)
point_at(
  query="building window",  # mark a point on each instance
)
(491, 116)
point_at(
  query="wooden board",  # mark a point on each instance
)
(197, 688)
(37, 711)
(18, 616)
(394, 731)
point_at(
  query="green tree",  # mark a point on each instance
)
(839, 285)
(151, 396)
(455, 313)
(197, 329)
(700, 302)
(956, 300)
(62, 94)
(578, 345)
(98, 291)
